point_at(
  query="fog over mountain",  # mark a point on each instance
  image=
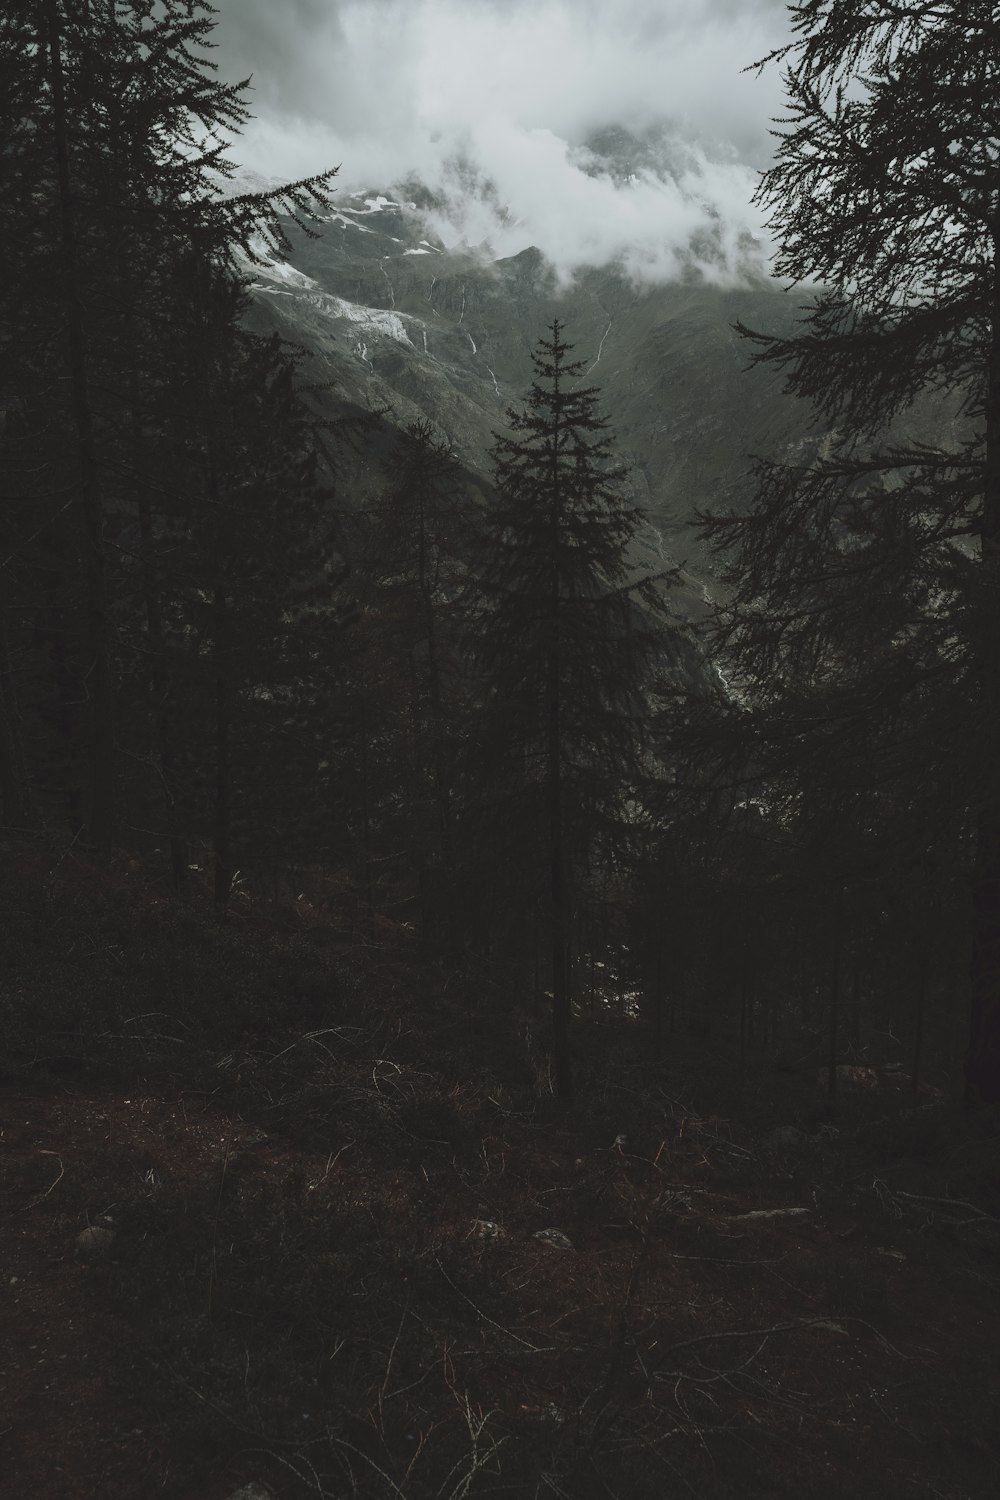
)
(501, 109)
(504, 163)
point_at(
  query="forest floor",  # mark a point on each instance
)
(322, 1269)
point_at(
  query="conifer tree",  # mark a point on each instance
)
(865, 624)
(239, 570)
(565, 641)
(114, 140)
(416, 552)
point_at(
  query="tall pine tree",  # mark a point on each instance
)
(866, 584)
(114, 139)
(415, 553)
(565, 640)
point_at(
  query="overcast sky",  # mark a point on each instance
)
(489, 101)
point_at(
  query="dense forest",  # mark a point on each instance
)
(275, 762)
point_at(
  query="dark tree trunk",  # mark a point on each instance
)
(365, 805)
(10, 791)
(13, 789)
(100, 696)
(918, 1030)
(658, 998)
(63, 712)
(557, 883)
(744, 1008)
(222, 826)
(557, 860)
(835, 968)
(982, 1067)
(854, 1016)
(159, 683)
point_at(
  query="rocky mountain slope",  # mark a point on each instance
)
(398, 321)
(403, 323)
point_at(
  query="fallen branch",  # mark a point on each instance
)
(62, 1171)
(768, 1213)
(742, 1333)
(312, 1479)
(535, 1348)
(978, 1215)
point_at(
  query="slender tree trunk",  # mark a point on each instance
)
(222, 824)
(365, 810)
(100, 694)
(159, 683)
(416, 769)
(658, 996)
(918, 1030)
(835, 968)
(557, 885)
(557, 865)
(982, 1067)
(65, 716)
(854, 1014)
(10, 791)
(439, 753)
(744, 1011)
(13, 790)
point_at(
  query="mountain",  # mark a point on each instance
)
(398, 320)
(401, 323)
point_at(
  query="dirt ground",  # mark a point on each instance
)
(674, 1346)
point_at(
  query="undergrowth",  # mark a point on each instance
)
(328, 1255)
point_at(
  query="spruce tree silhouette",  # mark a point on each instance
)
(565, 650)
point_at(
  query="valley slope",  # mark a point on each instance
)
(400, 323)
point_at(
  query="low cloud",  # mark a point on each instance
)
(491, 105)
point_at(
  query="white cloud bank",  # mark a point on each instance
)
(490, 103)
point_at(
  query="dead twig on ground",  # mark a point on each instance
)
(62, 1172)
(535, 1348)
(477, 1460)
(604, 1413)
(343, 1443)
(331, 1162)
(312, 1478)
(978, 1216)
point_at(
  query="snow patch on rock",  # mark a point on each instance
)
(278, 270)
(377, 321)
(346, 218)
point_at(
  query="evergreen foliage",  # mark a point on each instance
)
(415, 553)
(122, 299)
(565, 641)
(863, 631)
(460, 717)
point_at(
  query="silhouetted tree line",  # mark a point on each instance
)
(861, 632)
(209, 656)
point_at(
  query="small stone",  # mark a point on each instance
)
(485, 1229)
(252, 1491)
(94, 1241)
(554, 1237)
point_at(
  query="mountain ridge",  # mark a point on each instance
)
(402, 323)
(397, 321)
